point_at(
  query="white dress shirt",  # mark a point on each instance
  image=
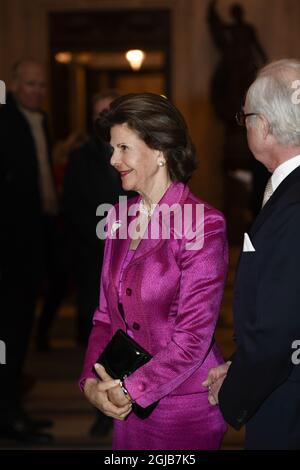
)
(283, 170)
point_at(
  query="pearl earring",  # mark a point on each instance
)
(161, 163)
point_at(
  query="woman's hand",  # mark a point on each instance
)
(115, 394)
(96, 392)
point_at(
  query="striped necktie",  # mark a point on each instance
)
(268, 191)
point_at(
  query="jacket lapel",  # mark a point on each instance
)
(120, 246)
(270, 206)
(176, 193)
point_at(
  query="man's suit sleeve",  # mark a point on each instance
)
(263, 359)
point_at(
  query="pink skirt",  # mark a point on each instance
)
(186, 422)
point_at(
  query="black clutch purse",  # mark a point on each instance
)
(120, 358)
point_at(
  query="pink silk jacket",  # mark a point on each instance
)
(171, 297)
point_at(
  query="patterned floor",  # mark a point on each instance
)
(56, 394)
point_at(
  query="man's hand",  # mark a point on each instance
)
(214, 381)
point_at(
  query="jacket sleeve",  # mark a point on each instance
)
(101, 330)
(203, 274)
(263, 358)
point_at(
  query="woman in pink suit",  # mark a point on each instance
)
(163, 290)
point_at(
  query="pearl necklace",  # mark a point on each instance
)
(145, 210)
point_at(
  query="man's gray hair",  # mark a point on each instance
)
(273, 95)
(17, 66)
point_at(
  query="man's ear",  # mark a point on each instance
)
(265, 126)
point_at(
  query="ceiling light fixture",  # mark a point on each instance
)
(135, 58)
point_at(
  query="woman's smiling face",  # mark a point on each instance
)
(133, 159)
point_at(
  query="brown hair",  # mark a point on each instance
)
(159, 124)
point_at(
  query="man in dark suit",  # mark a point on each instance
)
(27, 196)
(260, 385)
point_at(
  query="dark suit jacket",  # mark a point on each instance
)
(262, 382)
(89, 181)
(20, 201)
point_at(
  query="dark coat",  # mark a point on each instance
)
(20, 198)
(262, 387)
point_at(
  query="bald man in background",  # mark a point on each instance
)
(28, 206)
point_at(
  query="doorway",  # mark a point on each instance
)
(88, 56)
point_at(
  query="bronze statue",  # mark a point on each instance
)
(241, 56)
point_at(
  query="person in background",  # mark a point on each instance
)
(260, 386)
(164, 292)
(89, 181)
(28, 206)
(61, 155)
